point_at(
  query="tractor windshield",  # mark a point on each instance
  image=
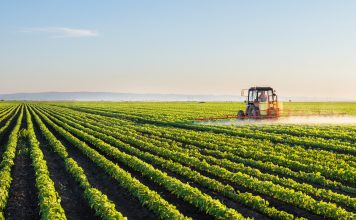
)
(260, 96)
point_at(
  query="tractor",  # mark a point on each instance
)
(261, 102)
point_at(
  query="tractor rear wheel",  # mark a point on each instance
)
(272, 112)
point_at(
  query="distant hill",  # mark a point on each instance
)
(109, 96)
(106, 96)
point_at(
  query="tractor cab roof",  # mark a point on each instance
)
(261, 88)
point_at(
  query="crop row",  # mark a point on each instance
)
(307, 142)
(247, 199)
(298, 156)
(186, 192)
(230, 155)
(147, 197)
(338, 171)
(7, 163)
(215, 149)
(49, 200)
(345, 173)
(297, 198)
(309, 131)
(96, 199)
(9, 121)
(138, 140)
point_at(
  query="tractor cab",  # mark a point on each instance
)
(261, 102)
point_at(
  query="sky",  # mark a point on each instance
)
(304, 48)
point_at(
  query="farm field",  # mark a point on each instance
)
(150, 160)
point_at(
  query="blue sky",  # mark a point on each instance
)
(302, 48)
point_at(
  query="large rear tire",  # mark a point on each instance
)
(273, 113)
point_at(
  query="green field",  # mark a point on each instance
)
(149, 160)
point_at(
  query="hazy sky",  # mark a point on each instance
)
(302, 48)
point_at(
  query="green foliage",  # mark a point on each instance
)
(265, 187)
(8, 161)
(308, 167)
(49, 200)
(188, 193)
(99, 202)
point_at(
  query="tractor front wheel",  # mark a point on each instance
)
(240, 114)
